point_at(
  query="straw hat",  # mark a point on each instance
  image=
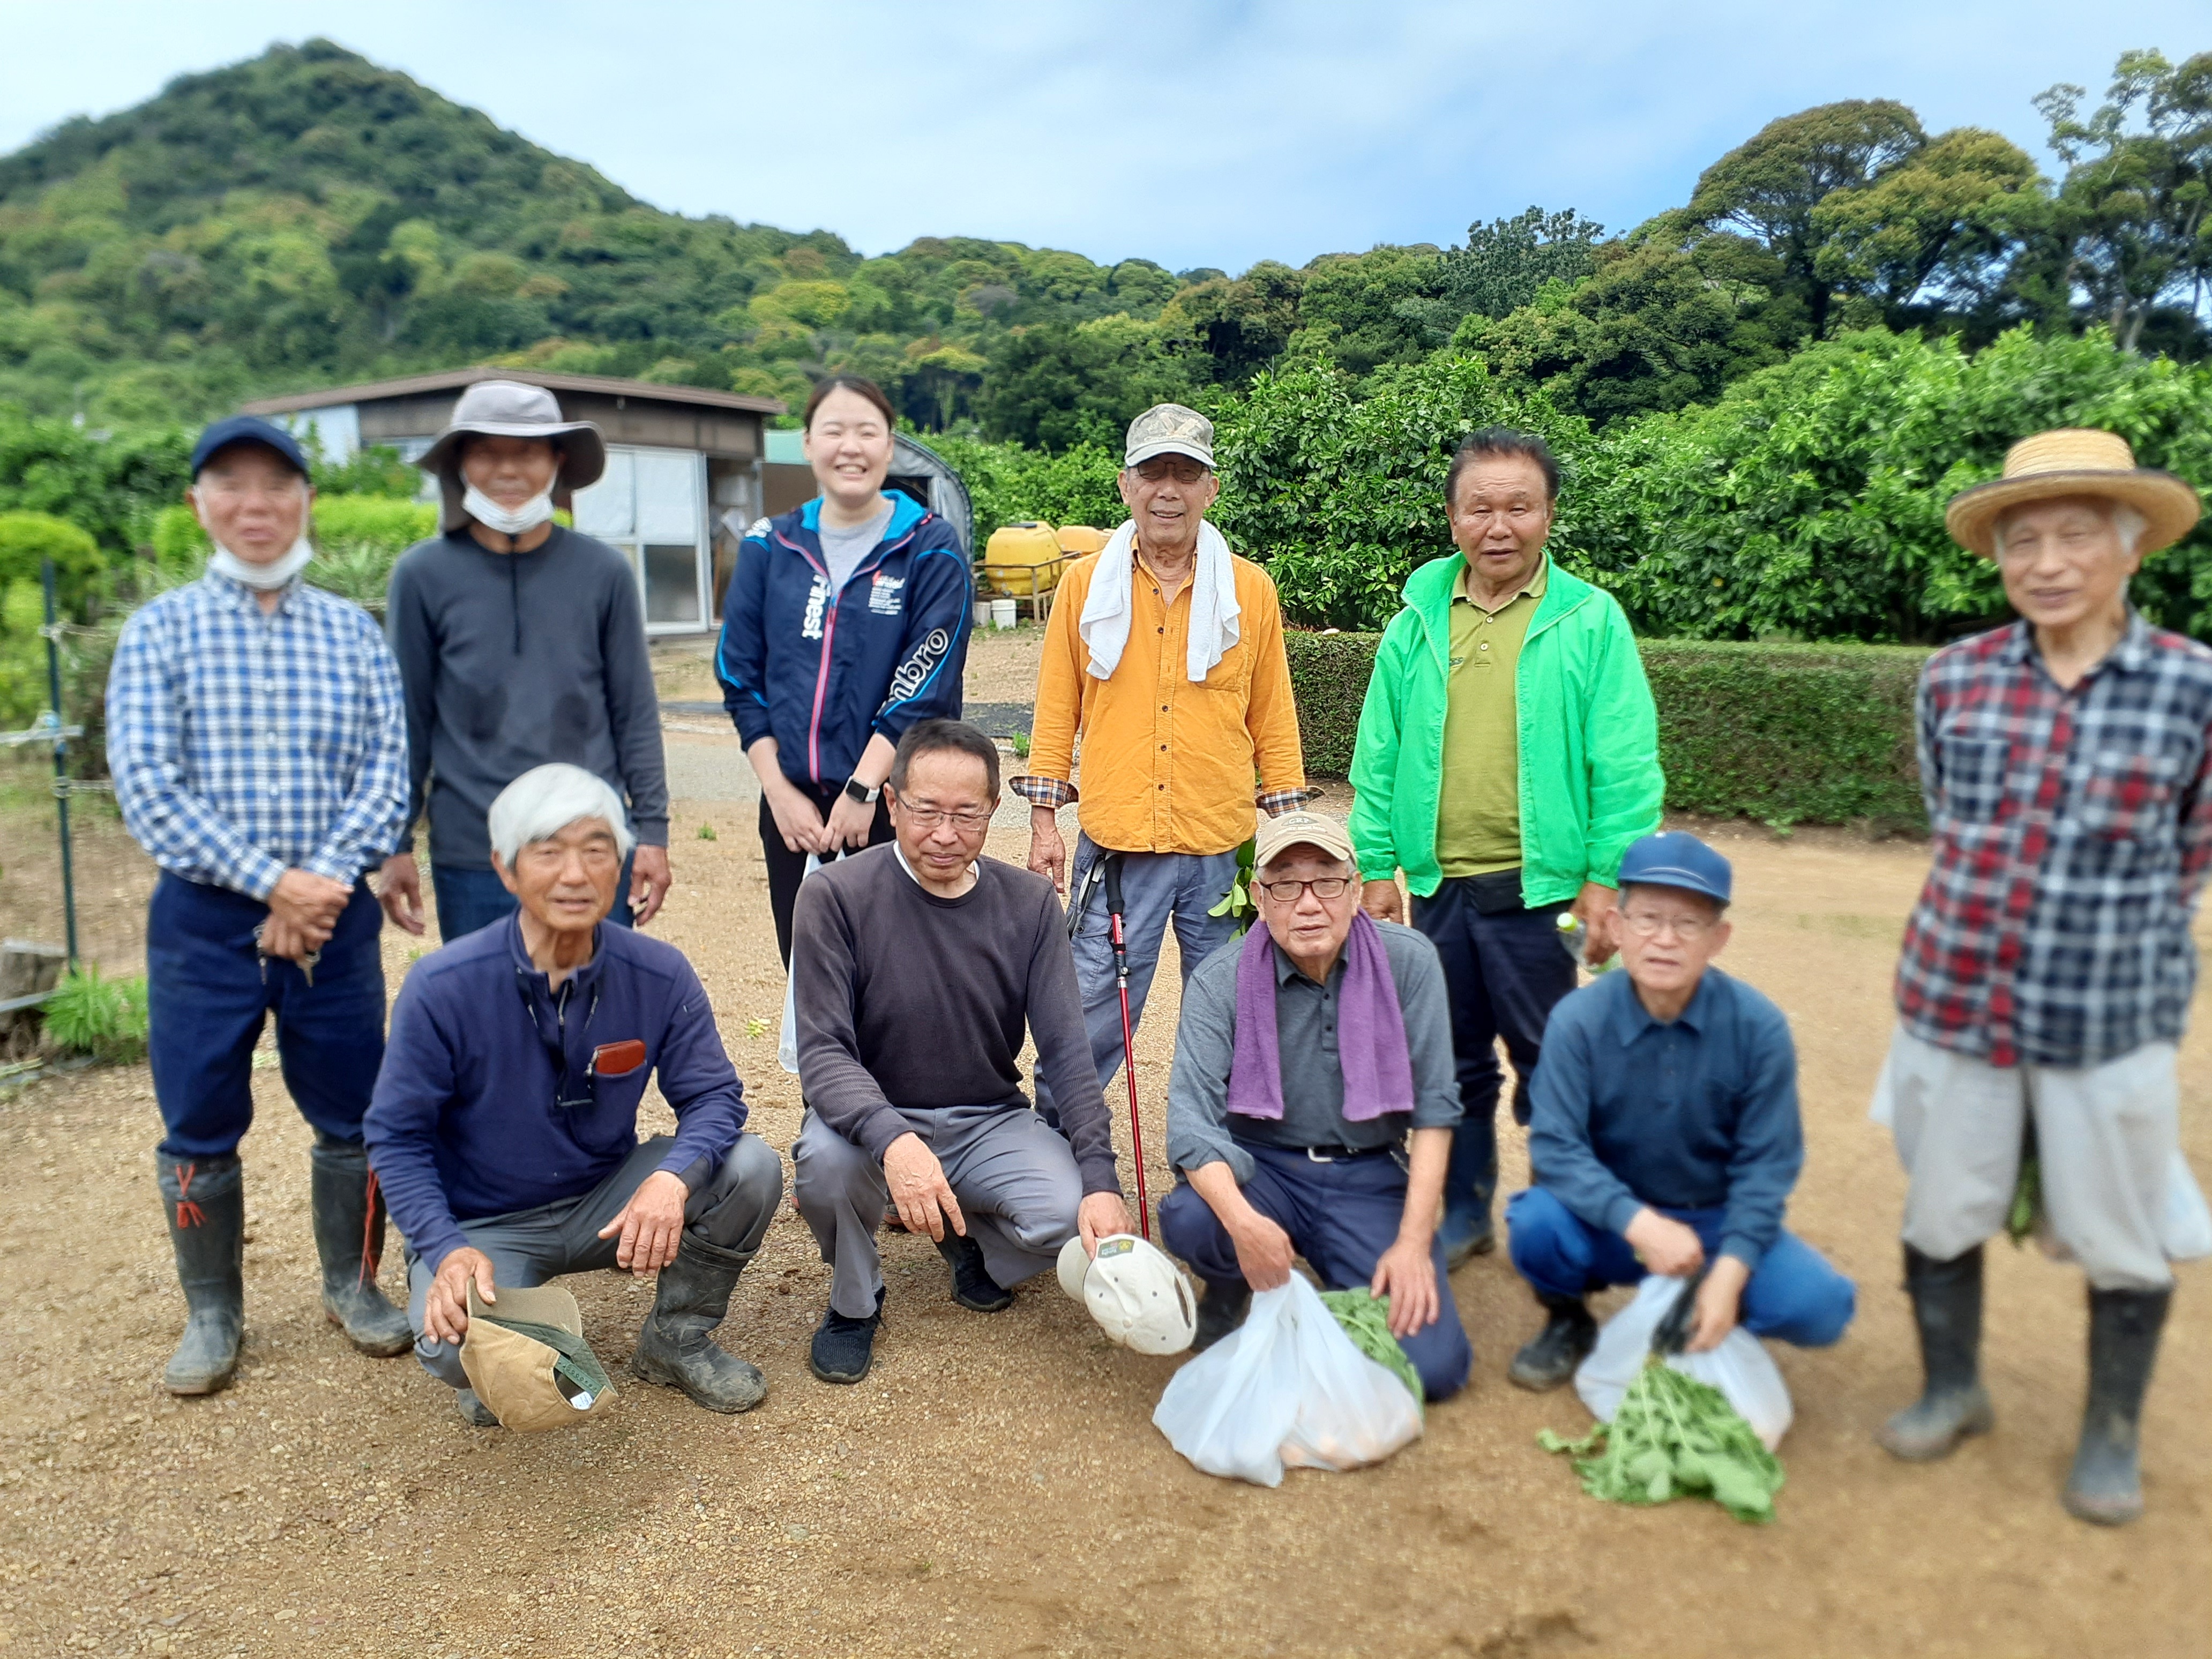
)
(2074, 461)
(509, 409)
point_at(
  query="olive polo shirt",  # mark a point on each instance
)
(1478, 808)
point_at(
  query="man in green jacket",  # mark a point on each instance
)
(1508, 754)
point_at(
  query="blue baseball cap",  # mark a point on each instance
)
(248, 429)
(1675, 858)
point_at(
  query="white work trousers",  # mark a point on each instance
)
(2117, 1195)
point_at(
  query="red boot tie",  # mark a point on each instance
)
(189, 1214)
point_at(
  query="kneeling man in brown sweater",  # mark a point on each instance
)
(916, 967)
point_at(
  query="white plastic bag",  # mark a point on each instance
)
(1286, 1389)
(786, 1048)
(1739, 1367)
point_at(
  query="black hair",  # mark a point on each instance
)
(859, 386)
(1502, 440)
(941, 737)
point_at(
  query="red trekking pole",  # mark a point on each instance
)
(1129, 1036)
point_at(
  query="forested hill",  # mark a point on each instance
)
(307, 218)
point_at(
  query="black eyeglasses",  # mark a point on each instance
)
(1286, 892)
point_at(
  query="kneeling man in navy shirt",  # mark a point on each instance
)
(1664, 1136)
(504, 1124)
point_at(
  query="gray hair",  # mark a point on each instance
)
(2127, 523)
(545, 800)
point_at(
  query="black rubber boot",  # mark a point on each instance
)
(1549, 1358)
(844, 1349)
(1946, 1306)
(473, 1411)
(349, 1217)
(2106, 1486)
(676, 1346)
(1220, 1310)
(206, 1200)
(973, 1287)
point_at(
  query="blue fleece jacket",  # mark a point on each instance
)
(1697, 1114)
(821, 672)
(473, 1114)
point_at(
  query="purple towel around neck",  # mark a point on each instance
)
(1370, 1031)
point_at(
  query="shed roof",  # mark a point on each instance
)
(453, 380)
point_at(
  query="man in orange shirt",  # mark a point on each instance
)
(1165, 653)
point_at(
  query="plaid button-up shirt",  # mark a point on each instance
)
(243, 743)
(2072, 832)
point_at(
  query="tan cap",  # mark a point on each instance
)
(527, 1358)
(1169, 429)
(510, 409)
(2074, 461)
(1278, 835)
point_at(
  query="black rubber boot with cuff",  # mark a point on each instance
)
(205, 1199)
(1947, 1308)
(350, 1227)
(2106, 1485)
(676, 1348)
(1549, 1358)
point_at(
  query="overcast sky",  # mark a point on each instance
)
(1195, 132)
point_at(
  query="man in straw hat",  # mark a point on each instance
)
(2047, 969)
(505, 1122)
(1165, 653)
(1313, 1103)
(521, 642)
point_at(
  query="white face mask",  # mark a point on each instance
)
(507, 521)
(262, 578)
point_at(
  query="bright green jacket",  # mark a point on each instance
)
(1590, 782)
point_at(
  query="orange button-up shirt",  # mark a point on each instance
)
(1169, 765)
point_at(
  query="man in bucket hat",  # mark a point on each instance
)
(2047, 969)
(521, 642)
(255, 733)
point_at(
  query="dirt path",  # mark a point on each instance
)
(995, 1487)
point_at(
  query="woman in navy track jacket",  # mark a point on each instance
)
(845, 623)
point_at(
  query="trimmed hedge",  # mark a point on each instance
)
(1783, 733)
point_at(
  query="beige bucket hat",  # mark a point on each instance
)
(2075, 461)
(527, 1358)
(510, 409)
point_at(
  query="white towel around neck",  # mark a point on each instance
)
(1110, 606)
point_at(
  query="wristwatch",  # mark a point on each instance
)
(860, 792)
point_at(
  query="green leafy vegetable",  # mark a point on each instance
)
(1366, 1318)
(2027, 1202)
(1674, 1437)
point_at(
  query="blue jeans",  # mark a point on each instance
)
(1794, 1295)
(472, 899)
(1340, 1216)
(1503, 973)
(1156, 888)
(208, 995)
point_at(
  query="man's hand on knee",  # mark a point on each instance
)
(918, 1188)
(651, 1223)
(446, 1309)
(1101, 1215)
(1406, 1273)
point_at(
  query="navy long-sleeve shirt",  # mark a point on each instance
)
(1697, 1114)
(474, 1116)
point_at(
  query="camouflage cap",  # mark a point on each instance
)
(1170, 429)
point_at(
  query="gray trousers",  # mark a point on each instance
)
(732, 1208)
(1156, 888)
(1015, 1179)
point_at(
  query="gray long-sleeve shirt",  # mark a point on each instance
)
(513, 659)
(1202, 1130)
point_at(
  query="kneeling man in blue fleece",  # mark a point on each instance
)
(1311, 1109)
(504, 1125)
(1664, 1133)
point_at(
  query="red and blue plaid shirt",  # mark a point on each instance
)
(2072, 832)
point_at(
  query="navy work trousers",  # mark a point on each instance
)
(207, 993)
(1342, 1216)
(1503, 973)
(470, 900)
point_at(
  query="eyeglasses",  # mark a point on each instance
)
(928, 817)
(1182, 471)
(1286, 892)
(1688, 929)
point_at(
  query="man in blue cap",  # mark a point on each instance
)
(1664, 1133)
(258, 742)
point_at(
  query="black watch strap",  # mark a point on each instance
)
(860, 792)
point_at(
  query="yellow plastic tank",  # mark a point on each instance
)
(1024, 560)
(1077, 540)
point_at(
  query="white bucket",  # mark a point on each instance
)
(1003, 613)
(983, 613)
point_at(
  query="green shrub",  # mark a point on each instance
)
(103, 1017)
(1782, 733)
(25, 538)
(357, 540)
(1008, 483)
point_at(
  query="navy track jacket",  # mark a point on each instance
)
(822, 672)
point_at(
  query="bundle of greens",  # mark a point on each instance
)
(1366, 1318)
(1673, 1436)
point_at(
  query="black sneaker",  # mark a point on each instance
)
(973, 1287)
(844, 1348)
(1220, 1310)
(1549, 1358)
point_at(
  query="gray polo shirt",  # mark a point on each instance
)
(1201, 1127)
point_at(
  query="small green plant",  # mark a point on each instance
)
(1238, 904)
(756, 1027)
(103, 1017)
(707, 832)
(1021, 742)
